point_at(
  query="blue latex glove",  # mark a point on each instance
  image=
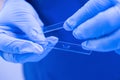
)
(98, 21)
(21, 36)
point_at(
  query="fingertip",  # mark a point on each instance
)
(77, 34)
(52, 39)
(67, 27)
(85, 45)
(69, 24)
(88, 45)
(39, 49)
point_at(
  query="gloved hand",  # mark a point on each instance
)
(98, 21)
(21, 36)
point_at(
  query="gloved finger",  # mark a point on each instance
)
(105, 44)
(13, 45)
(31, 27)
(89, 10)
(100, 25)
(30, 57)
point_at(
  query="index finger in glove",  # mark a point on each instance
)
(89, 10)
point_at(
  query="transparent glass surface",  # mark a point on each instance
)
(65, 43)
